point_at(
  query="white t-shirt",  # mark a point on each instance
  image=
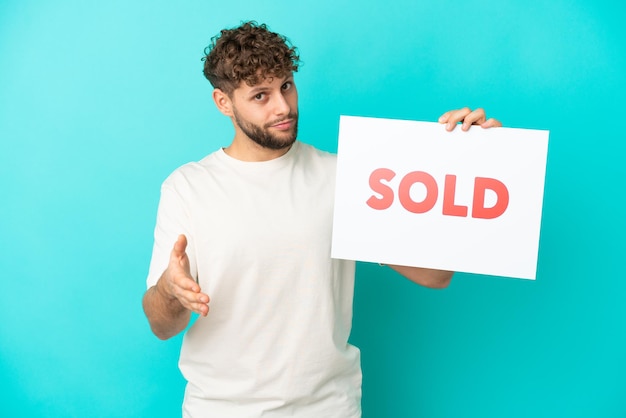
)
(275, 342)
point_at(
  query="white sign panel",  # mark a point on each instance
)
(411, 193)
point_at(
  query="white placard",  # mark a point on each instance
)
(410, 193)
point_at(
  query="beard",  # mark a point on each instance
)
(263, 137)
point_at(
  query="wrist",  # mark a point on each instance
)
(160, 288)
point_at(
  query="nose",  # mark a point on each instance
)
(281, 107)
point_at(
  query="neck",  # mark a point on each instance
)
(248, 150)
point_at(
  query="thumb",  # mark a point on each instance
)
(180, 246)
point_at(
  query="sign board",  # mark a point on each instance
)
(411, 193)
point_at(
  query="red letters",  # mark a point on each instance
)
(481, 184)
(404, 192)
(450, 208)
(386, 191)
(449, 189)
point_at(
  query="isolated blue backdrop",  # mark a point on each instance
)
(100, 101)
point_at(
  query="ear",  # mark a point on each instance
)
(223, 102)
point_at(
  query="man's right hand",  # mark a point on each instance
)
(177, 283)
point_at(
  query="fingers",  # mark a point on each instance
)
(179, 282)
(200, 308)
(182, 283)
(188, 293)
(476, 117)
(452, 117)
(195, 301)
(468, 118)
(491, 123)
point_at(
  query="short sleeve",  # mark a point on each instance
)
(172, 220)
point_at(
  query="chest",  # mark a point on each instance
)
(257, 217)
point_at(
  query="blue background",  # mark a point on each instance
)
(100, 101)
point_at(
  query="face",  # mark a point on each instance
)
(267, 113)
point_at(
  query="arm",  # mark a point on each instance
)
(169, 303)
(435, 279)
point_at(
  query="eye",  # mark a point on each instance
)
(287, 85)
(259, 96)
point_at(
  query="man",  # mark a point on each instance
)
(250, 226)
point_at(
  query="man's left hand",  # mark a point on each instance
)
(468, 117)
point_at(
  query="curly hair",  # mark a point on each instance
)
(249, 53)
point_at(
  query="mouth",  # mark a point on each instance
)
(283, 125)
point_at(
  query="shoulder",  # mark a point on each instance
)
(191, 172)
(312, 153)
(316, 165)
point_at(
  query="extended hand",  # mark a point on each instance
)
(469, 118)
(177, 283)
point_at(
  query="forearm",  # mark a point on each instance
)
(166, 315)
(436, 279)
